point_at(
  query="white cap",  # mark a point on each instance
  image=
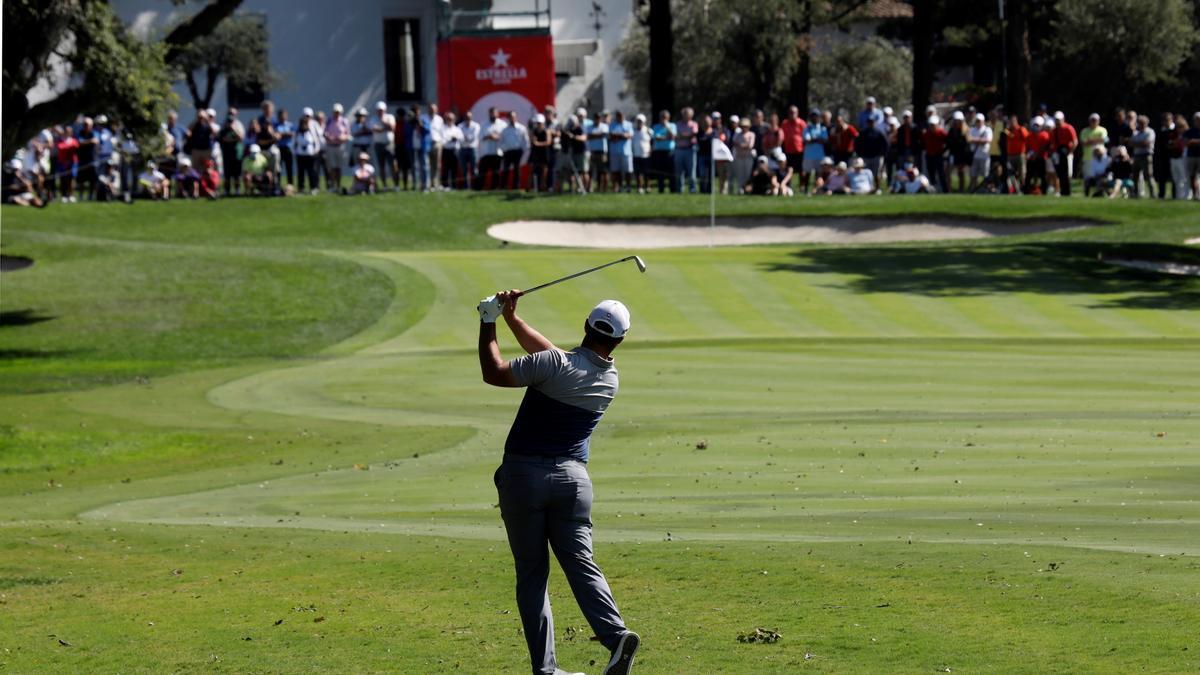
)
(827, 161)
(1038, 121)
(184, 161)
(1049, 122)
(640, 117)
(979, 117)
(613, 313)
(1059, 116)
(361, 112)
(907, 113)
(582, 112)
(934, 120)
(381, 106)
(539, 118)
(858, 163)
(102, 119)
(14, 164)
(254, 149)
(211, 112)
(762, 159)
(1094, 116)
(887, 111)
(958, 115)
(778, 154)
(870, 99)
(734, 119)
(337, 107)
(306, 111)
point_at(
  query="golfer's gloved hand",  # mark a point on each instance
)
(490, 309)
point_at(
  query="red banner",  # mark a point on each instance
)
(508, 73)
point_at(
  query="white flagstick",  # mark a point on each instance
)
(718, 149)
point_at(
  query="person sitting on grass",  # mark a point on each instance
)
(782, 168)
(256, 172)
(860, 180)
(187, 180)
(153, 184)
(821, 174)
(18, 189)
(108, 183)
(1120, 174)
(364, 176)
(762, 179)
(210, 180)
(1095, 177)
(839, 182)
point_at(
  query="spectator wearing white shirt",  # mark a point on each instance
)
(489, 151)
(980, 139)
(640, 146)
(437, 138)
(364, 175)
(468, 148)
(514, 141)
(383, 138)
(1096, 174)
(452, 138)
(307, 147)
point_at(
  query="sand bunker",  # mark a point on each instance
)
(765, 230)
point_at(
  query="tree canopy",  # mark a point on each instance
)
(236, 50)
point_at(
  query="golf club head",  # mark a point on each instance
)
(640, 263)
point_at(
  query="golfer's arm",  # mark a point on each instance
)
(496, 371)
(529, 339)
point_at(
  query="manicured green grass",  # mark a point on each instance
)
(978, 456)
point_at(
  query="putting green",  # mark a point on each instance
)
(1009, 417)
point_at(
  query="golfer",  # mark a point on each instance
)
(545, 491)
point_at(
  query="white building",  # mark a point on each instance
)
(362, 51)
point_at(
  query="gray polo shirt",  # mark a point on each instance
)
(566, 395)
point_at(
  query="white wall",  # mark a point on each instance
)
(324, 51)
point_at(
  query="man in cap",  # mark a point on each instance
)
(361, 135)
(337, 135)
(980, 138)
(544, 488)
(869, 111)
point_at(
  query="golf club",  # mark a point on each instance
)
(636, 259)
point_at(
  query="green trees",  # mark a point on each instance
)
(236, 49)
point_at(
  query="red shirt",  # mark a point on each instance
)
(843, 139)
(1016, 140)
(793, 135)
(1039, 144)
(934, 140)
(1065, 136)
(67, 149)
(210, 182)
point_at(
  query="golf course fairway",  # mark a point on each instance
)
(245, 441)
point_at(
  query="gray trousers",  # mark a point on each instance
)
(549, 500)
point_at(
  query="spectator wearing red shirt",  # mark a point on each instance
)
(1065, 142)
(210, 180)
(842, 139)
(793, 139)
(68, 151)
(933, 142)
(1016, 136)
(1037, 149)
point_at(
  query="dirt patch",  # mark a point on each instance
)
(12, 263)
(742, 231)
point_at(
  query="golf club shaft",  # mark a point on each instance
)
(577, 274)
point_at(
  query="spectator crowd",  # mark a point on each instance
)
(423, 149)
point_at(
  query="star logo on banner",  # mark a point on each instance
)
(500, 59)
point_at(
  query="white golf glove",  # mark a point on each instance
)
(489, 309)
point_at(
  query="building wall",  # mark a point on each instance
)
(325, 52)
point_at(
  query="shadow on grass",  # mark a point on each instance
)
(1053, 268)
(22, 317)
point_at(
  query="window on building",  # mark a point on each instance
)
(402, 58)
(250, 94)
